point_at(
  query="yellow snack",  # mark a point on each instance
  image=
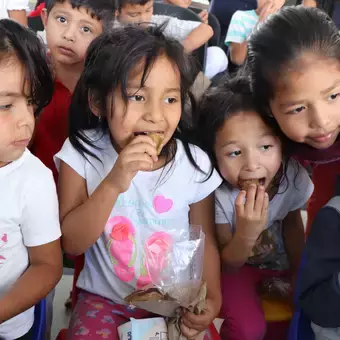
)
(158, 139)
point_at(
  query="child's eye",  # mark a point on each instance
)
(170, 100)
(333, 96)
(5, 107)
(297, 110)
(29, 101)
(137, 98)
(86, 29)
(234, 153)
(61, 19)
(266, 147)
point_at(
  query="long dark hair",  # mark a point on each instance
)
(219, 103)
(280, 41)
(110, 60)
(18, 42)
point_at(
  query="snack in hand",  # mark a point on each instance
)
(246, 183)
(158, 139)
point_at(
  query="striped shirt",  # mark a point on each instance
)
(241, 25)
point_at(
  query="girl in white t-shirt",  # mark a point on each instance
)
(120, 190)
(15, 10)
(258, 219)
(30, 252)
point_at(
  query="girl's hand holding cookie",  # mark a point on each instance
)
(139, 155)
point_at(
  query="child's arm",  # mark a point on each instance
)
(320, 276)
(202, 213)
(197, 37)
(40, 278)
(238, 52)
(294, 239)
(83, 217)
(180, 3)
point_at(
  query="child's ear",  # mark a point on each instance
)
(117, 13)
(44, 17)
(94, 105)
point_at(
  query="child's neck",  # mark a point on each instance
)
(68, 75)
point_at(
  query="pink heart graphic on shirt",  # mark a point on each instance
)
(4, 238)
(162, 204)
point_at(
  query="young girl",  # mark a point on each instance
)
(296, 80)
(119, 189)
(258, 219)
(299, 84)
(30, 254)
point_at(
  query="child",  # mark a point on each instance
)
(192, 34)
(30, 254)
(284, 69)
(242, 25)
(258, 218)
(14, 9)
(70, 27)
(118, 187)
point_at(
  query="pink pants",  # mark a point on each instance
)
(241, 310)
(95, 317)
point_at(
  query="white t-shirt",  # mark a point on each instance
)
(269, 251)
(28, 218)
(153, 210)
(175, 29)
(11, 5)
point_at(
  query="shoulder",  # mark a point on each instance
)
(17, 4)
(34, 170)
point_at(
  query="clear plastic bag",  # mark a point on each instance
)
(174, 262)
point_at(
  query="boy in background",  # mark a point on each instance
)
(192, 34)
(70, 26)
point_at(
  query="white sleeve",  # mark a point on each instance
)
(301, 185)
(40, 220)
(203, 185)
(71, 157)
(236, 31)
(17, 5)
(223, 207)
(179, 29)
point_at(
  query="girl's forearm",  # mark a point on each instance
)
(33, 286)
(235, 254)
(83, 226)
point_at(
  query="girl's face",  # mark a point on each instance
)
(246, 149)
(307, 103)
(16, 112)
(156, 107)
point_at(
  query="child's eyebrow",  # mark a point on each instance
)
(10, 94)
(138, 87)
(329, 89)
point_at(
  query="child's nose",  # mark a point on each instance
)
(251, 162)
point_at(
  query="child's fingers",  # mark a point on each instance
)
(142, 146)
(250, 199)
(259, 199)
(188, 332)
(265, 205)
(239, 203)
(139, 162)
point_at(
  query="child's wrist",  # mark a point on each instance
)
(245, 240)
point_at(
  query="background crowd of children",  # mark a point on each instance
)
(79, 115)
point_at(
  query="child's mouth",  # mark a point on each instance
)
(244, 184)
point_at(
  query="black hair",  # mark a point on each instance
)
(326, 5)
(100, 9)
(20, 43)
(122, 3)
(219, 103)
(39, 2)
(110, 60)
(279, 42)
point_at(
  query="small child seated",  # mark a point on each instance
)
(192, 34)
(30, 253)
(242, 25)
(258, 220)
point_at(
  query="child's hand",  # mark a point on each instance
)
(269, 8)
(204, 16)
(251, 212)
(139, 155)
(192, 324)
